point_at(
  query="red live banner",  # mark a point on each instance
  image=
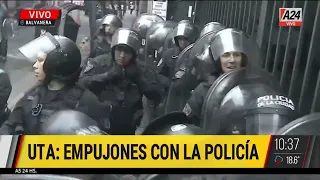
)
(40, 14)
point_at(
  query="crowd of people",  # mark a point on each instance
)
(157, 71)
(157, 77)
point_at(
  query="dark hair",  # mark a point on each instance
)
(244, 60)
(133, 52)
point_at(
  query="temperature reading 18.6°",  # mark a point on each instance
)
(293, 159)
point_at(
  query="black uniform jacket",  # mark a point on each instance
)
(124, 95)
(194, 105)
(144, 80)
(168, 62)
(39, 103)
(100, 47)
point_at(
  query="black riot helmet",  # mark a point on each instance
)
(63, 57)
(200, 54)
(212, 27)
(155, 38)
(68, 122)
(113, 20)
(185, 29)
(228, 103)
(142, 24)
(110, 20)
(234, 40)
(126, 38)
(174, 123)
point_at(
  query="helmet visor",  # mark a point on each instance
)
(126, 37)
(44, 44)
(265, 123)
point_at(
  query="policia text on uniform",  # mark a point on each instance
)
(244, 151)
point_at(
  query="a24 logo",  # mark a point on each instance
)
(290, 16)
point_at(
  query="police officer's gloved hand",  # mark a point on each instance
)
(115, 73)
(131, 72)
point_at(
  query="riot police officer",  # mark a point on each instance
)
(57, 68)
(155, 40)
(141, 25)
(230, 50)
(200, 46)
(5, 91)
(70, 122)
(185, 78)
(109, 25)
(184, 34)
(121, 82)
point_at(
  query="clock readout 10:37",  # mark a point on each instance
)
(286, 144)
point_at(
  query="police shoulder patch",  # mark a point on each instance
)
(179, 74)
(187, 109)
(160, 62)
(88, 67)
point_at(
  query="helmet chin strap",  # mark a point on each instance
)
(55, 85)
